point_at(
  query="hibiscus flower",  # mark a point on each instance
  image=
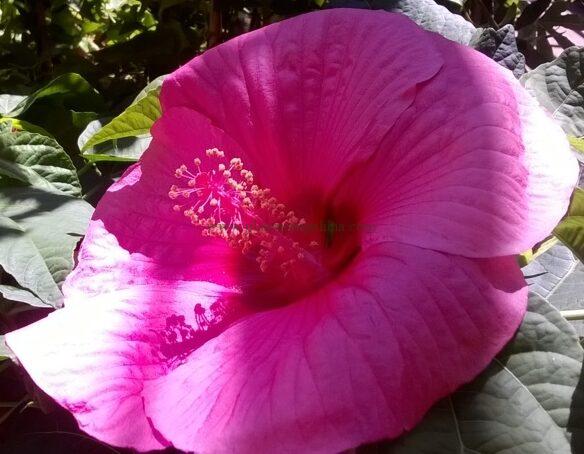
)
(317, 246)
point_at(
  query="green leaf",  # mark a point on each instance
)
(501, 46)
(16, 124)
(39, 231)
(571, 229)
(426, 13)
(135, 121)
(529, 400)
(577, 143)
(558, 277)
(154, 85)
(125, 149)
(34, 160)
(559, 88)
(20, 257)
(9, 102)
(19, 294)
(68, 87)
(5, 352)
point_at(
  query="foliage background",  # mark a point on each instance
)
(67, 68)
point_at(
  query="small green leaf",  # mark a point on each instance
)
(29, 159)
(501, 46)
(125, 149)
(5, 352)
(571, 230)
(9, 102)
(20, 257)
(16, 124)
(135, 121)
(577, 143)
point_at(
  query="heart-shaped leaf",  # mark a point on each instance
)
(559, 88)
(426, 13)
(135, 121)
(529, 400)
(501, 46)
(29, 159)
(8, 103)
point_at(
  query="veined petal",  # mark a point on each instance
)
(473, 167)
(94, 358)
(140, 263)
(361, 360)
(309, 96)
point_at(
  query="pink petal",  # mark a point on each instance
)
(94, 358)
(360, 360)
(140, 262)
(308, 96)
(472, 167)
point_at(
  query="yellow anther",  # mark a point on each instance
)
(252, 220)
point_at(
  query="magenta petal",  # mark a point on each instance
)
(140, 263)
(94, 358)
(472, 167)
(360, 360)
(308, 96)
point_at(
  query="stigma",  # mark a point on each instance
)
(219, 196)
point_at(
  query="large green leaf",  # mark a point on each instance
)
(135, 121)
(529, 400)
(12, 293)
(571, 230)
(29, 159)
(559, 88)
(558, 276)
(8, 124)
(67, 87)
(40, 230)
(426, 13)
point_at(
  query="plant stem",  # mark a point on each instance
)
(574, 314)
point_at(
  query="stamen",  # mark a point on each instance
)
(225, 203)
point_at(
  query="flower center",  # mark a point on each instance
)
(220, 198)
